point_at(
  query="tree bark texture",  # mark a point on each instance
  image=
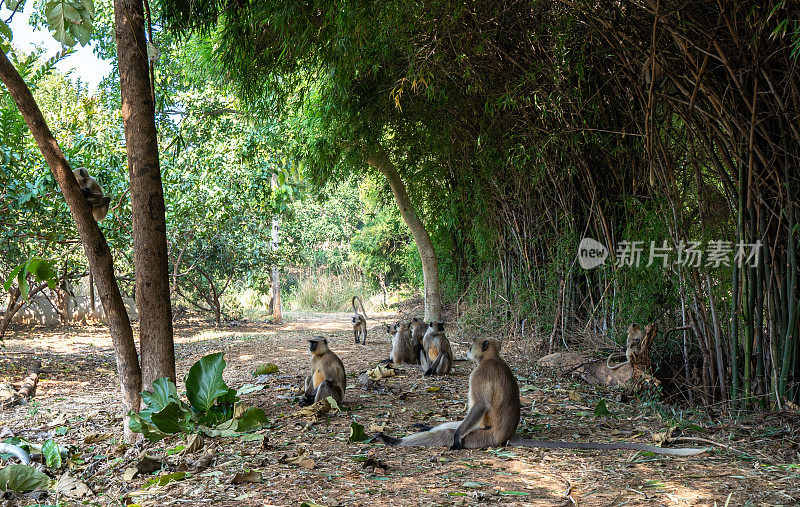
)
(379, 159)
(147, 195)
(99, 255)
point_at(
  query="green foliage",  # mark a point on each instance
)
(52, 454)
(22, 478)
(211, 409)
(70, 21)
(42, 271)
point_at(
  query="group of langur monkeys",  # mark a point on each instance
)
(493, 412)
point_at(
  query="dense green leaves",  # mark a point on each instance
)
(70, 21)
(211, 408)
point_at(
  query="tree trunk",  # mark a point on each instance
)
(100, 259)
(379, 159)
(275, 300)
(147, 195)
(91, 297)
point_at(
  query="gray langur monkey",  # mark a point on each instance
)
(403, 351)
(359, 322)
(93, 193)
(327, 376)
(635, 336)
(436, 356)
(494, 407)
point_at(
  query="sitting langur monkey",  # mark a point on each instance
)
(494, 413)
(494, 407)
(436, 356)
(403, 351)
(359, 321)
(634, 343)
(327, 374)
(93, 193)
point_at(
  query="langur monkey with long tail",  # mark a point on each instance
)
(494, 407)
(359, 322)
(494, 413)
(327, 376)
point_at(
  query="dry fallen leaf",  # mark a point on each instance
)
(574, 395)
(315, 411)
(120, 450)
(129, 474)
(148, 465)
(381, 371)
(97, 437)
(249, 476)
(300, 459)
(72, 488)
(193, 444)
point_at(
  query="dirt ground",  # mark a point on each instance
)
(77, 405)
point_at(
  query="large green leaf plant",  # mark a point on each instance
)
(213, 408)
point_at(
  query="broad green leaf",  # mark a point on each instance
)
(249, 388)
(171, 419)
(82, 32)
(164, 392)
(138, 425)
(43, 271)
(601, 409)
(69, 20)
(22, 478)
(357, 433)
(5, 36)
(88, 5)
(265, 369)
(252, 419)
(163, 480)
(204, 383)
(12, 275)
(52, 454)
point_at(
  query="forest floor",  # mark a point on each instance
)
(77, 404)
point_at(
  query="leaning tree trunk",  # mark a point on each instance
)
(379, 159)
(101, 262)
(147, 195)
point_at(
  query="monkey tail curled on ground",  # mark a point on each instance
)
(327, 377)
(359, 321)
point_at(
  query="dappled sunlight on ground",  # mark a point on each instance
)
(79, 391)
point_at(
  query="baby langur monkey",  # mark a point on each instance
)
(327, 374)
(634, 343)
(436, 356)
(93, 193)
(359, 321)
(403, 350)
(494, 407)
